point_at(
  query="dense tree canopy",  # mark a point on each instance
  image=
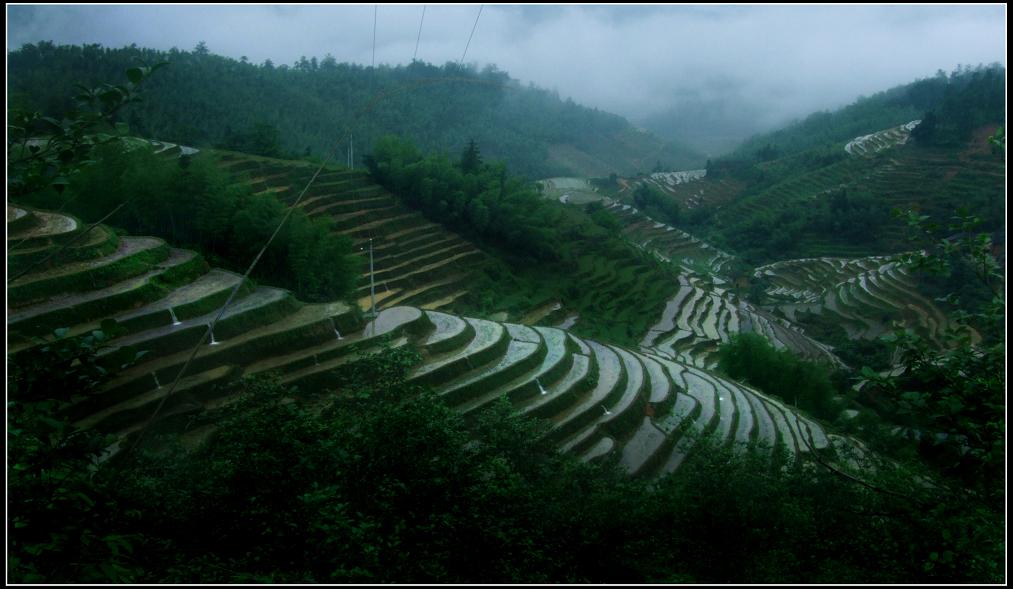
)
(656, 205)
(191, 203)
(958, 104)
(475, 199)
(750, 358)
(378, 481)
(203, 99)
(966, 98)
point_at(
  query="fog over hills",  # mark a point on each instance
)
(506, 294)
(706, 76)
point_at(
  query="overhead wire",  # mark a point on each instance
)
(372, 62)
(473, 27)
(369, 106)
(253, 264)
(210, 329)
(232, 295)
(419, 38)
(376, 7)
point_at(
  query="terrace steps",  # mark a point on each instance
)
(447, 300)
(420, 273)
(25, 255)
(700, 316)
(139, 407)
(249, 341)
(601, 402)
(555, 362)
(33, 228)
(132, 257)
(860, 292)
(69, 309)
(410, 267)
(416, 294)
(519, 358)
(667, 242)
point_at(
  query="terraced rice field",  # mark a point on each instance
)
(603, 402)
(865, 295)
(415, 261)
(165, 148)
(936, 181)
(667, 181)
(615, 299)
(701, 316)
(939, 181)
(805, 188)
(667, 242)
(577, 191)
(670, 183)
(880, 140)
(691, 189)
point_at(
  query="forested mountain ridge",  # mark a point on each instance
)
(945, 95)
(204, 99)
(825, 186)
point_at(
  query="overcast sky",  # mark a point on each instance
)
(783, 61)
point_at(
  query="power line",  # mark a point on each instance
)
(372, 62)
(472, 34)
(211, 326)
(372, 84)
(419, 38)
(210, 330)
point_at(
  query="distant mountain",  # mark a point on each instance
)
(310, 108)
(826, 185)
(968, 93)
(713, 127)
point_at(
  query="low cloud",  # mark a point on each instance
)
(773, 62)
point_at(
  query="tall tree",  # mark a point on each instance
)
(471, 159)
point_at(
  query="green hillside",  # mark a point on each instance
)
(949, 95)
(826, 186)
(597, 395)
(416, 399)
(206, 100)
(437, 370)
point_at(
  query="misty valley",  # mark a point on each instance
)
(360, 320)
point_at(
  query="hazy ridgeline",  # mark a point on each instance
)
(554, 390)
(203, 99)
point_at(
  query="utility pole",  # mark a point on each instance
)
(372, 286)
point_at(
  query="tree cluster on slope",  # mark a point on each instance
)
(193, 204)
(376, 480)
(206, 100)
(967, 97)
(478, 200)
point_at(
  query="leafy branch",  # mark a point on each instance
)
(44, 151)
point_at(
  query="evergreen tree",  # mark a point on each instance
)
(471, 159)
